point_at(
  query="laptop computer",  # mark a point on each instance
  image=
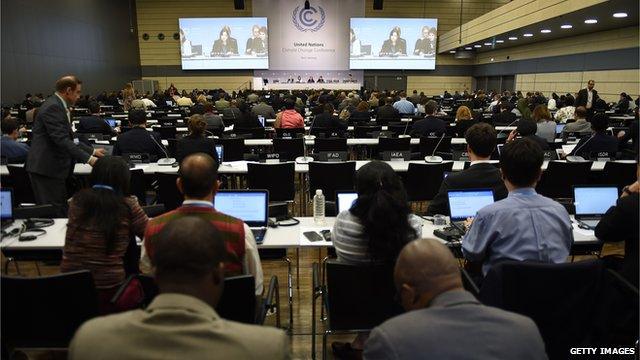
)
(344, 200)
(560, 128)
(220, 152)
(108, 149)
(112, 122)
(592, 202)
(6, 207)
(250, 206)
(465, 203)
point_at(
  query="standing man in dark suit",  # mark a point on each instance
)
(481, 142)
(587, 98)
(53, 149)
(430, 125)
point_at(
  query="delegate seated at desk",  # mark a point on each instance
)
(395, 45)
(426, 45)
(225, 45)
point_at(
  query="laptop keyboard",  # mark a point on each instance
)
(258, 234)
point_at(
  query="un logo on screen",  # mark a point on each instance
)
(311, 19)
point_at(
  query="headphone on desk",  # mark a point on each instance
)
(33, 228)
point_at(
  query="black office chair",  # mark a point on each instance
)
(138, 185)
(251, 133)
(45, 312)
(562, 299)
(428, 145)
(423, 181)
(392, 144)
(289, 132)
(342, 177)
(618, 174)
(21, 183)
(558, 179)
(291, 148)
(154, 210)
(166, 132)
(168, 193)
(279, 179)
(366, 131)
(233, 148)
(357, 297)
(330, 144)
(400, 128)
(318, 131)
(37, 211)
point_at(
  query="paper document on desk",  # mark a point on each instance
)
(304, 241)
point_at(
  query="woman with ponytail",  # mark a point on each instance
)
(196, 142)
(379, 222)
(104, 221)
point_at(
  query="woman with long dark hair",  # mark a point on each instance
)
(379, 222)
(103, 222)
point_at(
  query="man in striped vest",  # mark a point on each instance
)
(198, 182)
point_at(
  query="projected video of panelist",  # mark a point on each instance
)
(224, 43)
(392, 43)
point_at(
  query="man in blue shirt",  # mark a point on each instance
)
(404, 106)
(14, 151)
(525, 225)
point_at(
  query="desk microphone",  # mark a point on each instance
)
(502, 131)
(166, 161)
(435, 159)
(576, 158)
(404, 134)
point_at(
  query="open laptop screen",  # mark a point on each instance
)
(594, 200)
(6, 206)
(251, 206)
(345, 200)
(464, 204)
(220, 152)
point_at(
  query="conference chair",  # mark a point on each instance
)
(423, 181)
(233, 148)
(279, 179)
(168, 193)
(558, 179)
(366, 131)
(166, 132)
(618, 174)
(153, 210)
(289, 148)
(137, 185)
(251, 133)
(399, 128)
(342, 177)
(428, 145)
(386, 144)
(357, 298)
(45, 312)
(330, 144)
(21, 184)
(562, 299)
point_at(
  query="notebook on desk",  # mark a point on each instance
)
(250, 206)
(592, 202)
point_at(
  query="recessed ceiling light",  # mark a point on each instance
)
(452, 52)
(591, 21)
(492, 59)
(566, 26)
(513, 38)
(468, 48)
(488, 44)
(499, 41)
(545, 31)
(620, 15)
(527, 35)
(477, 46)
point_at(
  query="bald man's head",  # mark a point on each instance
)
(425, 268)
(198, 176)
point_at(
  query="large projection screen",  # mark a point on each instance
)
(224, 43)
(391, 43)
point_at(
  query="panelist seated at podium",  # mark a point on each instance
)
(395, 45)
(225, 45)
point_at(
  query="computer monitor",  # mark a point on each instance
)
(261, 119)
(559, 128)
(250, 206)
(499, 146)
(344, 200)
(169, 103)
(594, 200)
(220, 152)
(464, 204)
(111, 122)
(6, 204)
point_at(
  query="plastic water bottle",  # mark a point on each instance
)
(318, 208)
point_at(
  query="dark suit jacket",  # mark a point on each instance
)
(190, 145)
(478, 176)
(429, 126)
(329, 121)
(599, 142)
(620, 223)
(503, 118)
(138, 140)
(583, 96)
(360, 117)
(264, 110)
(247, 121)
(231, 115)
(387, 114)
(463, 125)
(218, 49)
(53, 151)
(401, 47)
(95, 125)
(542, 142)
